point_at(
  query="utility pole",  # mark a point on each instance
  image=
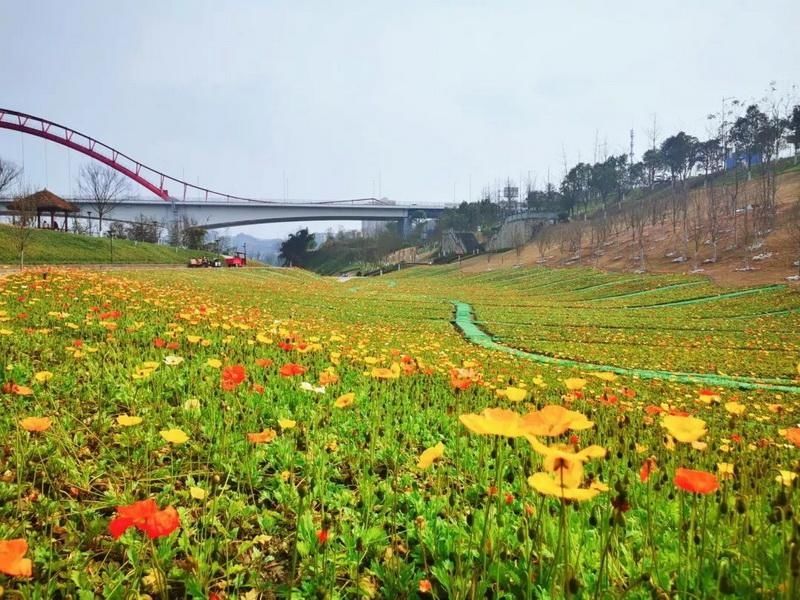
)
(631, 152)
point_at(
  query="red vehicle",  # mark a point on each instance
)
(239, 259)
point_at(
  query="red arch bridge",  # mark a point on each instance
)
(209, 208)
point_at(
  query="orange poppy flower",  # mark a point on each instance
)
(11, 561)
(291, 369)
(263, 362)
(36, 424)
(793, 435)
(328, 378)
(698, 482)
(21, 390)
(232, 376)
(146, 517)
(263, 437)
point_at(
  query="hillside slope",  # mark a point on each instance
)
(772, 259)
(55, 247)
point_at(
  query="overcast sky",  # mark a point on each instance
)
(417, 101)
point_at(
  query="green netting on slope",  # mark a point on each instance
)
(647, 291)
(758, 290)
(466, 323)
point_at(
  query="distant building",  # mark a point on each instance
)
(459, 243)
(741, 159)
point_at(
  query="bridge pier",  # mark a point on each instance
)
(405, 226)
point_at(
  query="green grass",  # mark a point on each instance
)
(54, 247)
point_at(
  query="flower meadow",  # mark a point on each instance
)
(267, 433)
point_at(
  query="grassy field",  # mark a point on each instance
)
(54, 247)
(270, 433)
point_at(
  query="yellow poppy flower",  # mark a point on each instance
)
(197, 493)
(174, 436)
(553, 420)
(549, 485)
(513, 394)
(431, 454)
(725, 470)
(345, 400)
(735, 408)
(286, 423)
(605, 376)
(494, 421)
(684, 429)
(383, 373)
(43, 376)
(786, 477)
(575, 384)
(128, 421)
(214, 363)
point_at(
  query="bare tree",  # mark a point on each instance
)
(105, 187)
(576, 232)
(23, 223)
(519, 237)
(543, 239)
(9, 172)
(713, 209)
(696, 229)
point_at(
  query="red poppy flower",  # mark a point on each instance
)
(425, 586)
(173, 346)
(292, 369)
(647, 469)
(697, 482)
(77, 343)
(677, 412)
(145, 516)
(287, 346)
(608, 399)
(322, 536)
(159, 343)
(652, 409)
(232, 376)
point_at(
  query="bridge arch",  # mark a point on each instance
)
(151, 179)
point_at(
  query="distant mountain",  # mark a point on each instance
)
(264, 250)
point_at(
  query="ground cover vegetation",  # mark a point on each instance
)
(270, 433)
(48, 247)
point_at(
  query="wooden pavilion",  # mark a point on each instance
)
(44, 202)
